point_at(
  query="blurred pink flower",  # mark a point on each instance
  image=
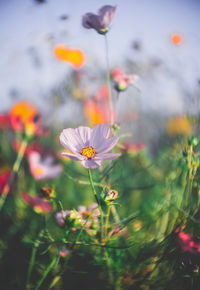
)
(89, 146)
(101, 21)
(39, 204)
(60, 217)
(43, 166)
(64, 252)
(122, 80)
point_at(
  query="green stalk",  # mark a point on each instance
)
(32, 259)
(93, 188)
(97, 200)
(47, 271)
(108, 82)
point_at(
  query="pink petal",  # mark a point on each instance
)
(107, 145)
(84, 133)
(108, 156)
(99, 133)
(73, 156)
(107, 13)
(70, 140)
(91, 163)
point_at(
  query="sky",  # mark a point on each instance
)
(29, 31)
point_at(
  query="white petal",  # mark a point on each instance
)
(70, 140)
(99, 133)
(91, 163)
(108, 156)
(84, 133)
(73, 156)
(107, 145)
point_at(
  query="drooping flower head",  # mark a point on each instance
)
(39, 204)
(122, 80)
(101, 21)
(89, 146)
(73, 56)
(43, 165)
(25, 118)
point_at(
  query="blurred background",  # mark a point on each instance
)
(157, 40)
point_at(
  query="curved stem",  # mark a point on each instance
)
(108, 82)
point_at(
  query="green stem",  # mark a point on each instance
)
(107, 219)
(47, 271)
(33, 255)
(108, 82)
(97, 200)
(15, 170)
(93, 188)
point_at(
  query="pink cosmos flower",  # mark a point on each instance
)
(43, 166)
(89, 146)
(122, 80)
(39, 204)
(101, 21)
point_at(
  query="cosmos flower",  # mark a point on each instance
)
(74, 56)
(122, 80)
(39, 204)
(43, 166)
(24, 118)
(101, 21)
(89, 146)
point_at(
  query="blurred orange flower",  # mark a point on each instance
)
(179, 125)
(176, 39)
(74, 56)
(24, 117)
(96, 109)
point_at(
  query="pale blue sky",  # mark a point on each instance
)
(29, 29)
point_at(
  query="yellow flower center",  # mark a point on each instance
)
(89, 152)
(38, 171)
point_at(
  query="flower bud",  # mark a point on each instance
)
(48, 192)
(110, 196)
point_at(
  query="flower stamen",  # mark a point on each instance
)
(88, 151)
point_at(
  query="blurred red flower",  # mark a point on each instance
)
(39, 204)
(4, 121)
(4, 177)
